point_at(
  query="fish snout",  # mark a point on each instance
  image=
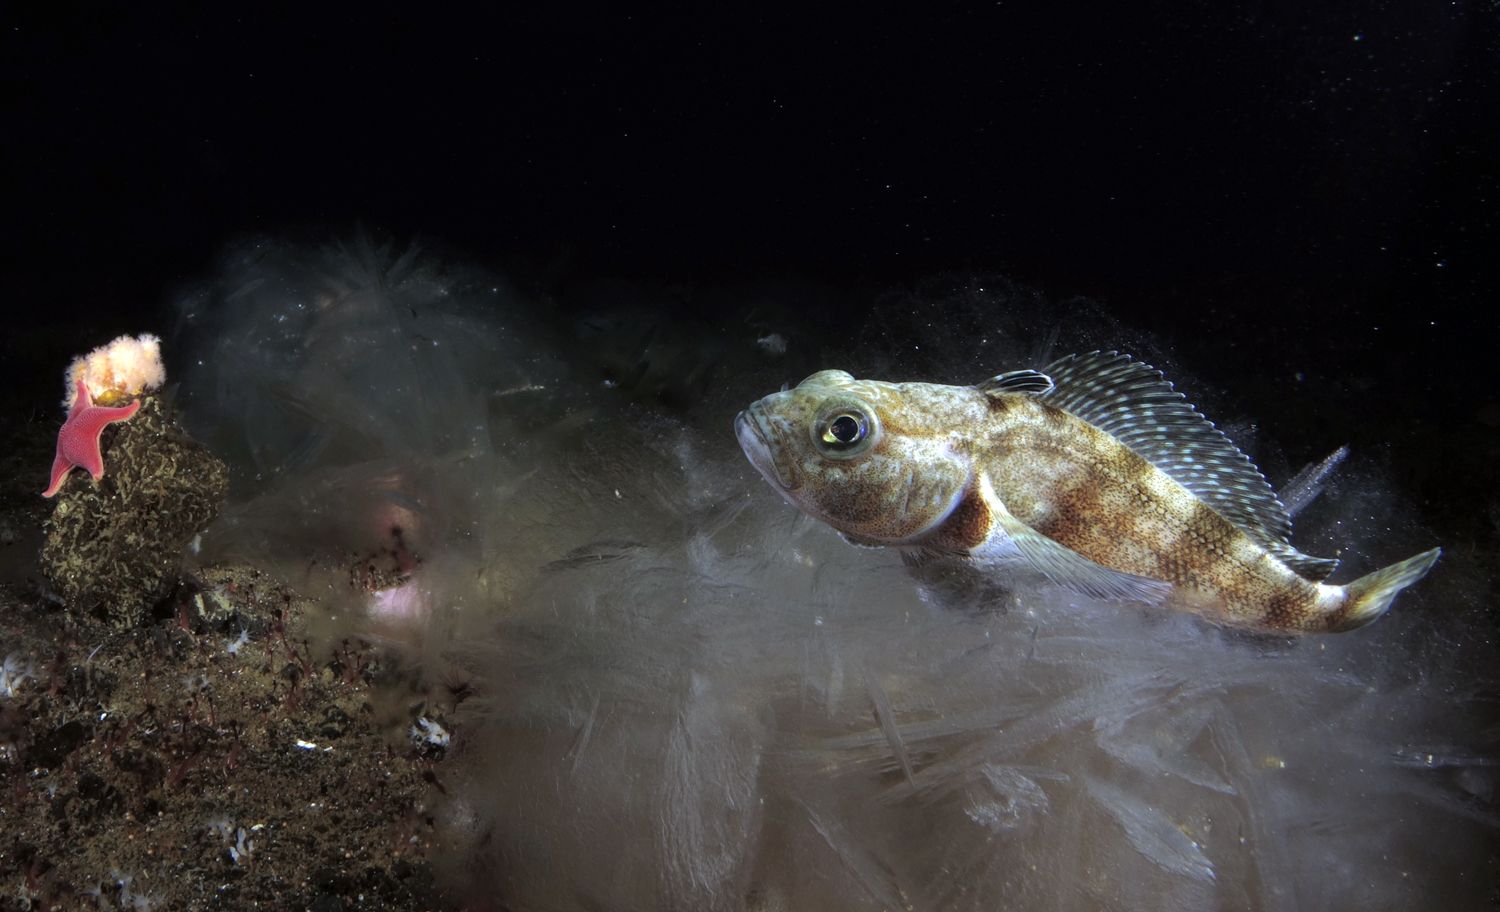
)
(759, 442)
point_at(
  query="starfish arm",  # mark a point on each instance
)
(60, 468)
(78, 440)
(81, 400)
(92, 459)
(121, 413)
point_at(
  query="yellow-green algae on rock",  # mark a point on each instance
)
(113, 547)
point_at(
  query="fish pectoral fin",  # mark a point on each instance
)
(858, 542)
(1074, 572)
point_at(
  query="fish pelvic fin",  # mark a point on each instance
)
(1368, 597)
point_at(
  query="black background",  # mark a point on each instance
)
(1271, 187)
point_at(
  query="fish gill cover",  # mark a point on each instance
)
(689, 695)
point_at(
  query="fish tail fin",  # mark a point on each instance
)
(1368, 597)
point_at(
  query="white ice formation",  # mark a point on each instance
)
(690, 697)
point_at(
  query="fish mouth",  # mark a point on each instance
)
(756, 439)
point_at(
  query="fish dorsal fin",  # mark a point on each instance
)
(1316, 569)
(1132, 402)
(1021, 381)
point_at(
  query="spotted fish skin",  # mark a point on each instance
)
(1093, 472)
(1084, 490)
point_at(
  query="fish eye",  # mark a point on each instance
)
(846, 429)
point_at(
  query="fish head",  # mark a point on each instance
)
(879, 462)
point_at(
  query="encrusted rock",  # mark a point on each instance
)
(114, 546)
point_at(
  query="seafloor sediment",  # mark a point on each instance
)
(211, 758)
(686, 695)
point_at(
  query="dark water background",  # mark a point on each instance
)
(1273, 190)
(1295, 207)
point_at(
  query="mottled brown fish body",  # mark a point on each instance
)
(1088, 492)
(1094, 473)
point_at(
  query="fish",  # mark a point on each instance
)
(1093, 472)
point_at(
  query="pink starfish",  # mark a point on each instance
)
(78, 441)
